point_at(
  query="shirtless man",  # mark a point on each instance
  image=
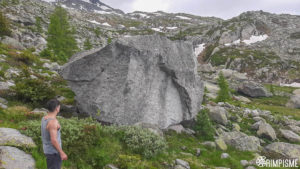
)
(50, 130)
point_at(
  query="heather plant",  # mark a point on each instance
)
(144, 142)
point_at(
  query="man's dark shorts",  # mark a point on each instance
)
(53, 161)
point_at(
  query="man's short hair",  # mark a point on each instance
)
(52, 105)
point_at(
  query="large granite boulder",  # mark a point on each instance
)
(294, 102)
(146, 79)
(253, 89)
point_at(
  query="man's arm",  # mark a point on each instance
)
(52, 128)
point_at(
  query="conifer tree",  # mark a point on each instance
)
(87, 44)
(224, 93)
(204, 127)
(4, 26)
(61, 38)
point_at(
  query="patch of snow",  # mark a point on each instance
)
(127, 36)
(172, 28)
(64, 6)
(132, 28)
(87, 1)
(106, 24)
(104, 7)
(184, 17)
(101, 12)
(140, 14)
(95, 22)
(157, 29)
(49, 1)
(73, 4)
(291, 85)
(199, 49)
(254, 39)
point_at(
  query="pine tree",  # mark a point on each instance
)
(4, 26)
(224, 93)
(87, 44)
(204, 128)
(61, 38)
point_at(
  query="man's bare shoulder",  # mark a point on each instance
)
(52, 124)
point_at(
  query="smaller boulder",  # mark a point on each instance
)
(182, 163)
(290, 135)
(12, 158)
(218, 114)
(282, 150)
(13, 137)
(265, 130)
(252, 89)
(224, 155)
(294, 102)
(221, 144)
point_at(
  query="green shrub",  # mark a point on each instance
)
(4, 26)
(26, 57)
(144, 142)
(33, 91)
(38, 24)
(204, 128)
(224, 93)
(128, 161)
(87, 44)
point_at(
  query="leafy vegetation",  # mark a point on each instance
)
(61, 38)
(87, 44)
(144, 142)
(4, 26)
(33, 91)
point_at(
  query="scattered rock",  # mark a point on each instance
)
(290, 135)
(198, 152)
(250, 167)
(244, 163)
(253, 89)
(221, 144)
(236, 127)
(13, 158)
(295, 128)
(131, 79)
(52, 66)
(218, 114)
(13, 137)
(281, 150)
(241, 141)
(224, 155)
(242, 99)
(294, 102)
(209, 144)
(182, 163)
(265, 130)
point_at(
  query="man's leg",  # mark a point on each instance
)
(53, 161)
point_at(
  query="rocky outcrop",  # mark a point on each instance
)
(137, 79)
(13, 158)
(218, 114)
(265, 130)
(253, 89)
(282, 150)
(13, 137)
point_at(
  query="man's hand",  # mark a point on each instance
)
(63, 156)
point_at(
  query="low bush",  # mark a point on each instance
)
(33, 91)
(144, 142)
(204, 128)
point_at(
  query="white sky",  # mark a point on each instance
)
(220, 8)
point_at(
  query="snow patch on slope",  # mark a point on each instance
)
(199, 49)
(183, 17)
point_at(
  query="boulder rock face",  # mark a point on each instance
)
(294, 102)
(146, 79)
(13, 137)
(282, 150)
(253, 89)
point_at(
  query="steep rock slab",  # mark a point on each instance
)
(146, 79)
(13, 137)
(13, 158)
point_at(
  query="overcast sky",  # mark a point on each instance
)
(220, 8)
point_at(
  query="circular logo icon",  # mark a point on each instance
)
(261, 161)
